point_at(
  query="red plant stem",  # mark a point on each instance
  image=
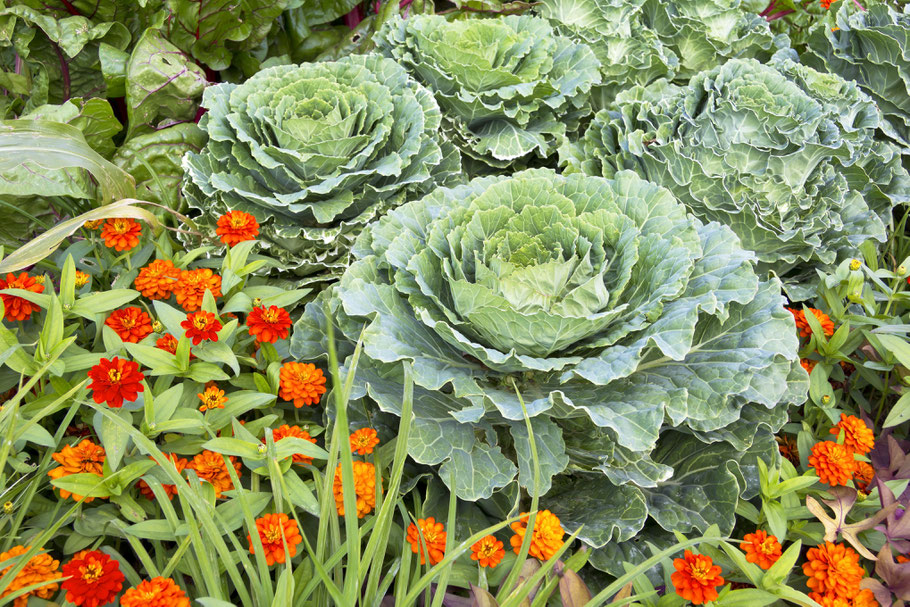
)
(768, 9)
(65, 69)
(72, 10)
(860, 6)
(354, 17)
(780, 14)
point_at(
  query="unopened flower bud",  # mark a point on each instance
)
(257, 302)
(901, 270)
(157, 327)
(8, 507)
(855, 265)
(261, 449)
(39, 279)
(826, 399)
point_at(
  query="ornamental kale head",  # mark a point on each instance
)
(639, 41)
(780, 153)
(649, 357)
(315, 152)
(510, 88)
(871, 47)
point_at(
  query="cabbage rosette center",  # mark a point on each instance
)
(638, 338)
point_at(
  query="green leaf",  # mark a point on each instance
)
(217, 352)
(779, 572)
(83, 483)
(114, 440)
(899, 413)
(90, 305)
(233, 446)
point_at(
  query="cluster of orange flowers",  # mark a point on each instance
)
(834, 576)
(835, 463)
(19, 308)
(362, 442)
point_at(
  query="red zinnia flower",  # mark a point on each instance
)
(95, 579)
(17, 308)
(130, 324)
(268, 324)
(115, 381)
(236, 226)
(201, 326)
(696, 578)
(121, 233)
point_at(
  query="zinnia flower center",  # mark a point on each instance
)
(487, 550)
(121, 226)
(127, 323)
(91, 572)
(430, 536)
(113, 375)
(238, 221)
(272, 535)
(767, 546)
(700, 571)
(200, 322)
(270, 316)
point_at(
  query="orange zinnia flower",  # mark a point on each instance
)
(192, 285)
(115, 381)
(268, 324)
(865, 598)
(82, 279)
(302, 383)
(857, 435)
(40, 568)
(17, 308)
(434, 536)
(84, 457)
(121, 233)
(761, 548)
(201, 326)
(157, 280)
(833, 463)
(209, 466)
(364, 488)
(363, 441)
(803, 325)
(696, 578)
(829, 600)
(863, 476)
(212, 398)
(287, 431)
(546, 539)
(833, 569)
(167, 342)
(272, 528)
(487, 552)
(130, 324)
(236, 226)
(171, 490)
(808, 364)
(94, 579)
(156, 592)
(901, 558)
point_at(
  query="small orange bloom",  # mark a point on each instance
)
(363, 441)
(287, 431)
(857, 435)
(121, 233)
(826, 4)
(212, 398)
(209, 466)
(863, 475)
(171, 490)
(93, 224)
(167, 342)
(201, 326)
(434, 536)
(833, 569)
(901, 558)
(272, 528)
(546, 539)
(488, 552)
(156, 592)
(40, 568)
(364, 488)
(302, 383)
(829, 600)
(115, 381)
(268, 324)
(236, 226)
(696, 578)
(833, 463)
(84, 457)
(761, 548)
(157, 280)
(18, 308)
(808, 364)
(130, 324)
(82, 279)
(803, 325)
(865, 598)
(94, 579)
(192, 285)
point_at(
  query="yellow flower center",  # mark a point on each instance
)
(127, 323)
(121, 226)
(699, 571)
(238, 221)
(273, 535)
(270, 315)
(487, 550)
(430, 536)
(113, 375)
(200, 322)
(91, 572)
(767, 546)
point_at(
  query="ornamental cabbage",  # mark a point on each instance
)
(315, 152)
(781, 153)
(871, 47)
(510, 88)
(653, 362)
(639, 41)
